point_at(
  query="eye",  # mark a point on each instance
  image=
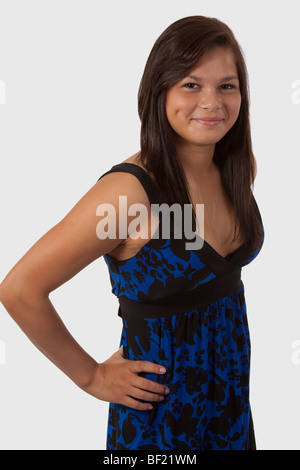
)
(191, 86)
(228, 86)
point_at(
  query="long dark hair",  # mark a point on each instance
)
(175, 52)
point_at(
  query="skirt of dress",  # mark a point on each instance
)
(206, 352)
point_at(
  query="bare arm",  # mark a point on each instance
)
(55, 258)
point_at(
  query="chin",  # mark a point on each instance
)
(209, 141)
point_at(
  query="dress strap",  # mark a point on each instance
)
(142, 175)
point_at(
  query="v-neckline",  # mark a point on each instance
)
(210, 250)
(227, 258)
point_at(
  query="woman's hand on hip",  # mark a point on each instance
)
(116, 380)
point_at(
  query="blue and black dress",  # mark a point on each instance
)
(184, 309)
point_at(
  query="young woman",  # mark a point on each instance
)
(180, 379)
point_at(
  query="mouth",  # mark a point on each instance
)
(209, 122)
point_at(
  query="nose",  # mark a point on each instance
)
(210, 99)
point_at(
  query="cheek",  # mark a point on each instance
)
(168, 107)
(172, 107)
(173, 114)
(233, 107)
(177, 106)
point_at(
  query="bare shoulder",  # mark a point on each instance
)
(135, 159)
(129, 185)
(125, 183)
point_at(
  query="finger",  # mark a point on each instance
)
(150, 386)
(144, 395)
(137, 405)
(145, 366)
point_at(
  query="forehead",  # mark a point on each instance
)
(219, 60)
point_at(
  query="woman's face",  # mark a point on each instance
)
(203, 106)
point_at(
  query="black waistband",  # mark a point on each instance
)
(201, 296)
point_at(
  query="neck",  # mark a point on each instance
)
(197, 162)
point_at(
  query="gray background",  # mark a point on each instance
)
(69, 74)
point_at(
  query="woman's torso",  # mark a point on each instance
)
(218, 217)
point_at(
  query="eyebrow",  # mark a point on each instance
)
(225, 79)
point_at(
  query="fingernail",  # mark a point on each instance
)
(150, 407)
(163, 370)
(167, 390)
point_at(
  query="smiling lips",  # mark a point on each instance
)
(209, 121)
